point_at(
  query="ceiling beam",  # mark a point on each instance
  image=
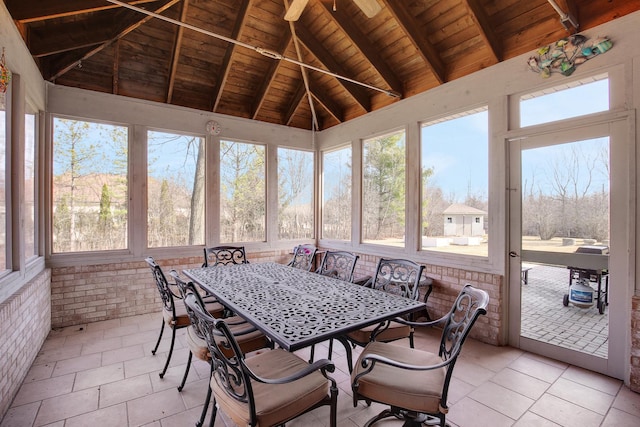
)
(73, 61)
(481, 19)
(425, 49)
(25, 11)
(270, 76)
(328, 61)
(571, 9)
(177, 44)
(299, 94)
(327, 103)
(68, 36)
(225, 67)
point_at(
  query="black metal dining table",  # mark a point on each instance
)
(296, 308)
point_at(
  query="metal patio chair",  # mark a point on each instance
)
(224, 255)
(303, 257)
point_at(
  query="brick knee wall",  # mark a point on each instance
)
(25, 322)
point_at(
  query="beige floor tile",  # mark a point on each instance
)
(154, 407)
(193, 393)
(52, 343)
(537, 369)
(628, 401)
(501, 399)
(584, 396)
(593, 379)
(122, 354)
(127, 389)
(147, 338)
(144, 365)
(469, 413)
(104, 325)
(489, 356)
(102, 345)
(533, 420)
(39, 372)
(185, 418)
(471, 373)
(62, 353)
(85, 337)
(121, 331)
(521, 383)
(113, 416)
(565, 413)
(457, 390)
(77, 364)
(21, 416)
(618, 418)
(99, 376)
(39, 390)
(61, 407)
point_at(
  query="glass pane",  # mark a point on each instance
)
(455, 184)
(29, 185)
(242, 192)
(383, 189)
(90, 197)
(336, 196)
(565, 208)
(3, 189)
(564, 102)
(295, 194)
(176, 189)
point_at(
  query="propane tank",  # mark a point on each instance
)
(581, 294)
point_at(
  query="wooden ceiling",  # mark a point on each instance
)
(409, 47)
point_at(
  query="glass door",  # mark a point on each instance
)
(562, 246)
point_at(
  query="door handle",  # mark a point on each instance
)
(513, 254)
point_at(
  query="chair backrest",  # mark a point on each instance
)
(398, 276)
(230, 372)
(224, 255)
(338, 264)
(186, 288)
(163, 285)
(468, 306)
(303, 257)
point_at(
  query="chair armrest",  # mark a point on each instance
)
(369, 361)
(363, 281)
(322, 365)
(423, 324)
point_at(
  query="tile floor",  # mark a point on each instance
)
(103, 374)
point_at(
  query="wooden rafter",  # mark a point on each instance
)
(365, 47)
(480, 18)
(177, 44)
(270, 76)
(570, 8)
(327, 103)
(425, 49)
(225, 68)
(298, 96)
(26, 11)
(328, 61)
(64, 69)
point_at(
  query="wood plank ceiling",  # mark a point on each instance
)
(407, 48)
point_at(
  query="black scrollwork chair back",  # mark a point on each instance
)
(224, 255)
(415, 383)
(338, 264)
(249, 338)
(173, 315)
(395, 276)
(303, 257)
(267, 389)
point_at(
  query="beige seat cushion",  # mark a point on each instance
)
(414, 390)
(182, 318)
(395, 331)
(248, 342)
(197, 345)
(275, 403)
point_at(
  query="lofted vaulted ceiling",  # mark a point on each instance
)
(409, 47)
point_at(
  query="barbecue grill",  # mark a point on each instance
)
(581, 294)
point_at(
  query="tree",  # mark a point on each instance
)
(105, 219)
(295, 194)
(384, 187)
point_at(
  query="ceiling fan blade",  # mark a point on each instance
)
(295, 10)
(368, 7)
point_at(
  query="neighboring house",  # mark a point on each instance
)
(463, 220)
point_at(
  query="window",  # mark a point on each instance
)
(242, 192)
(30, 132)
(295, 194)
(455, 183)
(559, 102)
(90, 209)
(3, 188)
(383, 189)
(176, 189)
(336, 194)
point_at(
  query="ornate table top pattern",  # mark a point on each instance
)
(297, 308)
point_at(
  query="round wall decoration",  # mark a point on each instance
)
(213, 127)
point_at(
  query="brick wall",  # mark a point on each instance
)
(25, 322)
(89, 293)
(634, 375)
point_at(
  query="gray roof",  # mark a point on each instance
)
(460, 209)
